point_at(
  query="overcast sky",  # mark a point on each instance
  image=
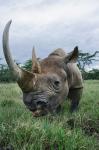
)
(50, 24)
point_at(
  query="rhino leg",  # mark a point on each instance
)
(75, 96)
(58, 109)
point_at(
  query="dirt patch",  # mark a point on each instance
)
(54, 146)
(9, 147)
(1, 148)
(71, 123)
(91, 127)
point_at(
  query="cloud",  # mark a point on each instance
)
(50, 24)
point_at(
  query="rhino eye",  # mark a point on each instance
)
(56, 83)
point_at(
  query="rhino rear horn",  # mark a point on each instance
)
(36, 68)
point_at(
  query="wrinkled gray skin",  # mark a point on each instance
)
(50, 82)
(57, 82)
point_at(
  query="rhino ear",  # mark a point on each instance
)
(36, 68)
(73, 56)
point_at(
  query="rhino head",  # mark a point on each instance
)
(46, 86)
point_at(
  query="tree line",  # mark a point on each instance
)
(84, 60)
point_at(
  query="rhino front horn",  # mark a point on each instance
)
(17, 72)
(23, 77)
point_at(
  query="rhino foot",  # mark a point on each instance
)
(74, 106)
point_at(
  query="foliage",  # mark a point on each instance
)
(5, 74)
(64, 131)
(86, 59)
(28, 65)
(93, 74)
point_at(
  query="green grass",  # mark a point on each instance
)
(64, 131)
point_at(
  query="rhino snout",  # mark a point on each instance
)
(34, 102)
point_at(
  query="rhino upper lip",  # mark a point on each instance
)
(40, 106)
(40, 112)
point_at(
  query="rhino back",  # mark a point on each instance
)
(58, 52)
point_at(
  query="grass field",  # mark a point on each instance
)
(64, 131)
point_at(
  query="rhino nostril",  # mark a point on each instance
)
(42, 103)
(32, 109)
(27, 102)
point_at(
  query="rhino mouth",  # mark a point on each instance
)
(39, 104)
(44, 109)
(41, 109)
(39, 113)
